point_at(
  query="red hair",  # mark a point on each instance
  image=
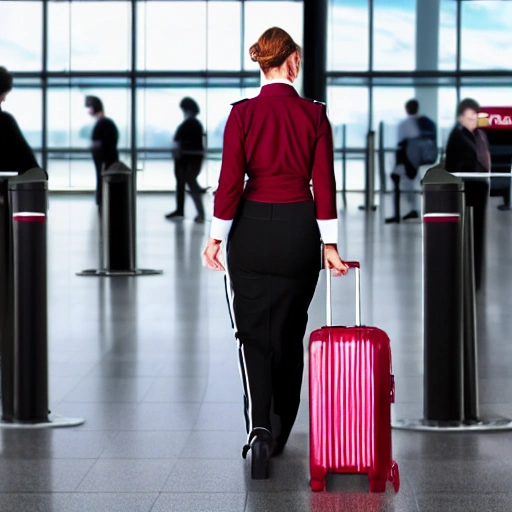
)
(274, 46)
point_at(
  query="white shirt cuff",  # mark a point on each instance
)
(220, 228)
(328, 230)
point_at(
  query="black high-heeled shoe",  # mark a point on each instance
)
(260, 442)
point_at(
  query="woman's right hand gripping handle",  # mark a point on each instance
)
(332, 260)
(212, 255)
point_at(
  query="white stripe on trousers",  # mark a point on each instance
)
(242, 367)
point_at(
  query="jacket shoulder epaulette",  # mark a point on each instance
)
(316, 101)
(239, 101)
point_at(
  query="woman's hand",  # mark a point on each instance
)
(211, 255)
(332, 260)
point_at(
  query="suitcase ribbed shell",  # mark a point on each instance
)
(351, 390)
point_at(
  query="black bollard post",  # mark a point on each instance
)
(28, 199)
(382, 159)
(344, 164)
(31, 332)
(119, 244)
(443, 208)
(23, 301)
(471, 414)
(6, 303)
(450, 381)
(118, 225)
(369, 187)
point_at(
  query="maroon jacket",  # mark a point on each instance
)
(282, 142)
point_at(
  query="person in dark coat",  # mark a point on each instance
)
(188, 155)
(467, 150)
(104, 142)
(15, 153)
(273, 228)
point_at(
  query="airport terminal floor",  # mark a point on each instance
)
(151, 364)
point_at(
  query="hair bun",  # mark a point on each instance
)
(255, 52)
(272, 48)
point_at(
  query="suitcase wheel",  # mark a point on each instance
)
(395, 476)
(377, 485)
(317, 485)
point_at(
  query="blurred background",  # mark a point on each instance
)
(142, 56)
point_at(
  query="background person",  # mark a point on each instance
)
(467, 150)
(15, 153)
(188, 159)
(273, 229)
(104, 141)
(417, 146)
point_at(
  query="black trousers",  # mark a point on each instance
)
(273, 263)
(186, 170)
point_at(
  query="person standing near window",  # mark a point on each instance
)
(15, 153)
(104, 142)
(273, 229)
(188, 155)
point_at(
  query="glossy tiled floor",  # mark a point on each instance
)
(150, 363)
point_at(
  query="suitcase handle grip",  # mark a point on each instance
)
(328, 309)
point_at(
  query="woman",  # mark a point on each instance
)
(273, 229)
(467, 150)
(188, 159)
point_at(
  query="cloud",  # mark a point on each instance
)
(483, 47)
(348, 37)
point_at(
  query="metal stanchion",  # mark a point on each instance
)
(450, 363)
(382, 159)
(24, 333)
(6, 302)
(369, 191)
(118, 225)
(506, 207)
(469, 329)
(344, 163)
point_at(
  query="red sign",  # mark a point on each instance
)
(495, 118)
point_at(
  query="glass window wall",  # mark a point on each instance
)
(159, 115)
(70, 125)
(172, 36)
(224, 35)
(70, 128)
(258, 16)
(24, 102)
(447, 114)
(394, 34)
(486, 37)
(199, 48)
(347, 35)
(21, 35)
(448, 35)
(89, 36)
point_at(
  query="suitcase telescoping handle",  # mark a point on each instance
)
(328, 309)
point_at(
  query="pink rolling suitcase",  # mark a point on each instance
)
(351, 389)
